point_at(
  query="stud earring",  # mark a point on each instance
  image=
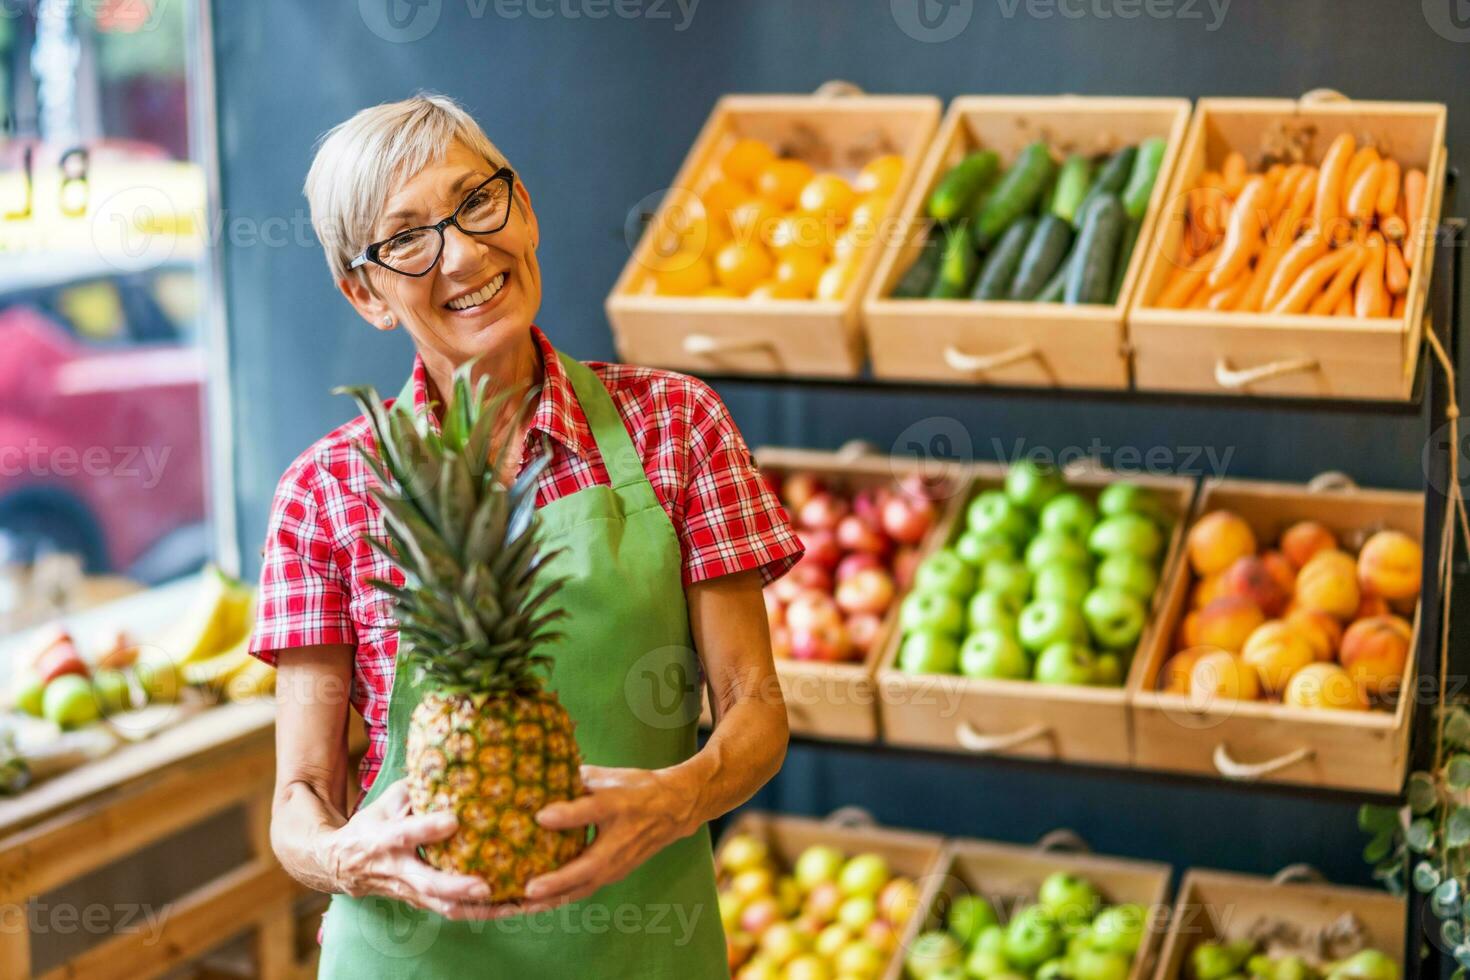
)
(388, 321)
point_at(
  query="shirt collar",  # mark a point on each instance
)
(556, 414)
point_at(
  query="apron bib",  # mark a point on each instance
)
(627, 673)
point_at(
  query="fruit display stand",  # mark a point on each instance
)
(1066, 722)
(1254, 740)
(1258, 353)
(766, 336)
(1015, 343)
(1214, 906)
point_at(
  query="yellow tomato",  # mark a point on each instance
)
(683, 274)
(836, 279)
(827, 196)
(721, 197)
(745, 159)
(719, 292)
(740, 265)
(773, 289)
(879, 175)
(753, 220)
(781, 181)
(799, 271)
(867, 217)
(799, 233)
(849, 246)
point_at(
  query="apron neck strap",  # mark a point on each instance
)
(624, 468)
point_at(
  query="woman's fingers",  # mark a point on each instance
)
(442, 885)
(581, 812)
(410, 832)
(589, 867)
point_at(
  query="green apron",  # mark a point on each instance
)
(627, 673)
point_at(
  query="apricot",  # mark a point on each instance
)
(1277, 650)
(1389, 565)
(1320, 685)
(1228, 621)
(1304, 539)
(1217, 540)
(1319, 629)
(1220, 674)
(1329, 582)
(1370, 605)
(1374, 652)
(1174, 677)
(1188, 633)
(1252, 577)
(1282, 570)
(1206, 590)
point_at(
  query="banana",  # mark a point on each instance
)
(216, 671)
(219, 619)
(257, 679)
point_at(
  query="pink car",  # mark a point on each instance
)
(101, 431)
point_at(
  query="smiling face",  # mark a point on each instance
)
(496, 275)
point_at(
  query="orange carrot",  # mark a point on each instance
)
(1228, 296)
(1337, 289)
(1279, 240)
(1233, 173)
(1395, 270)
(1330, 181)
(1370, 298)
(1413, 201)
(1185, 282)
(1285, 188)
(1209, 211)
(1362, 160)
(1362, 197)
(1400, 303)
(1211, 178)
(1243, 234)
(1388, 189)
(1311, 281)
(1293, 265)
(1344, 305)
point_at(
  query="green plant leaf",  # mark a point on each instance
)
(1457, 726)
(1462, 955)
(1457, 771)
(1457, 828)
(1377, 849)
(1426, 876)
(1445, 901)
(1420, 836)
(1423, 794)
(1451, 932)
(1374, 819)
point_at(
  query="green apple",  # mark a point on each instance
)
(856, 912)
(1129, 573)
(932, 612)
(1031, 483)
(1119, 929)
(1032, 938)
(1215, 961)
(1129, 498)
(1048, 621)
(816, 864)
(1050, 547)
(953, 973)
(992, 939)
(1090, 964)
(929, 652)
(1009, 577)
(1128, 534)
(26, 691)
(112, 691)
(1114, 617)
(992, 512)
(977, 549)
(993, 610)
(1062, 580)
(68, 701)
(1107, 670)
(931, 952)
(858, 958)
(970, 915)
(1064, 663)
(983, 964)
(1297, 968)
(1056, 968)
(1068, 513)
(864, 874)
(993, 655)
(1366, 964)
(945, 571)
(1069, 897)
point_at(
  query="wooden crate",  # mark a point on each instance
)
(1010, 343)
(1254, 740)
(1275, 354)
(909, 853)
(1024, 718)
(1217, 905)
(839, 700)
(798, 337)
(1010, 875)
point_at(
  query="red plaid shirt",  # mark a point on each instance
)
(316, 562)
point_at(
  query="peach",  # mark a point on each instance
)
(1206, 590)
(1319, 685)
(1252, 577)
(1304, 539)
(1319, 629)
(1374, 652)
(1276, 650)
(1228, 621)
(1282, 570)
(1371, 605)
(1220, 674)
(1217, 540)
(1188, 633)
(1389, 565)
(1174, 678)
(1329, 582)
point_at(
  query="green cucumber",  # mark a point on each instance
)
(1072, 183)
(956, 191)
(1016, 193)
(1000, 265)
(1090, 276)
(1045, 251)
(1125, 252)
(1111, 178)
(956, 266)
(919, 278)
(1142, 177)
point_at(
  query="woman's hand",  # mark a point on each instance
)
(376, 853)
(637, 812)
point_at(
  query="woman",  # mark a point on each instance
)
(427, 228)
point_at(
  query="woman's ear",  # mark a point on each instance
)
(533, 228)
(368, 304)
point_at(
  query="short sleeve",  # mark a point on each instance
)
(303, 599)
(732, 520)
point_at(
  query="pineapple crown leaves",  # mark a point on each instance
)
(473, 608)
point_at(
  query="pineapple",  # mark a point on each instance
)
(486, 740)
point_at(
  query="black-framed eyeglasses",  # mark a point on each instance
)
(484, 211)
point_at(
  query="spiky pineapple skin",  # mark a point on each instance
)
(494, 761)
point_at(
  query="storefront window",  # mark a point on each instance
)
(102, 465)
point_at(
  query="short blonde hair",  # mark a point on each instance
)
(358, 161)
